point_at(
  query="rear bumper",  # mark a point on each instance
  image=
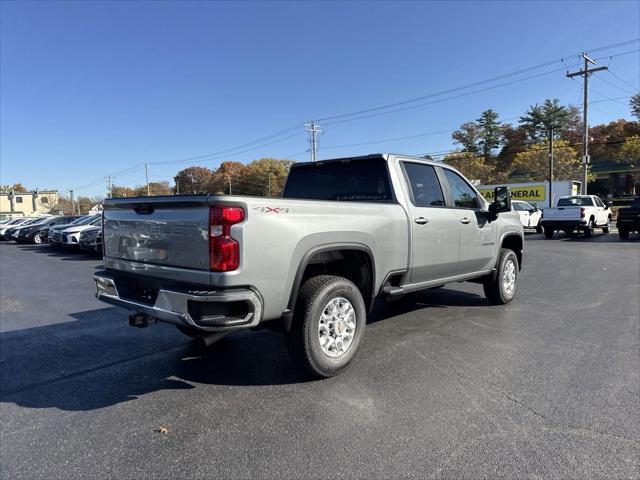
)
(563, 224)
(213, 311)
(628, 224)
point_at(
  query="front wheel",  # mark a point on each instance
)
(328, 326)
(607, 226)
(37, 238)
(500, 287)
(548, 232)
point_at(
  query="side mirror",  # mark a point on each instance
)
(501, 200)
(609, 204)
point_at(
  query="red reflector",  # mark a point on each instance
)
(224, 250)
(226, 215)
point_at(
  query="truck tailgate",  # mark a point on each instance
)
(562, 213)
(167, 231)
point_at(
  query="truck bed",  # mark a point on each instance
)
(168, 238)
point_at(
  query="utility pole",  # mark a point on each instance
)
(551, 165)
(229, 178)
(109, 186)
(585, 141)
(73, 205)
(314, 129)
(146, 174)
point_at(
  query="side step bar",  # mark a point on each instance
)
(394, 292)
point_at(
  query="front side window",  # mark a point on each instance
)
(424, 185)
(463, 195)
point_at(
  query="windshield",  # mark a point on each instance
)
(80, 221)
(341, 180)
(575, 202)
(521, 206)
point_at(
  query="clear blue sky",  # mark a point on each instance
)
(92, 88)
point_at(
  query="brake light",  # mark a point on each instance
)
(224, 250)
(582, 213)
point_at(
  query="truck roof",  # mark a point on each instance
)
(384, 156)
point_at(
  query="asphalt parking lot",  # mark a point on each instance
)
(445, 386)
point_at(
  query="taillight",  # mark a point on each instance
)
(224, 250)
(582, 213)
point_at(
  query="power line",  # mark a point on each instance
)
(474, 84)
(257, 143)
(625, 90)
(635, 88)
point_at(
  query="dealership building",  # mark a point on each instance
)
(24, 204)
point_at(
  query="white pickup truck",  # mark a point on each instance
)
(577, 212)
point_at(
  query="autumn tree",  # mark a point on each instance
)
(467, 137)
(264, 174)
(226, 176)
(118, 191)
(534, 162)
(193, 180)
(514, 140)
(16, 187)
(474, 167)
(155, 189)
(630, 150)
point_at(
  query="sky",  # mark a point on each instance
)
(90, 89)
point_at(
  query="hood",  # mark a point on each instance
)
(77, 228)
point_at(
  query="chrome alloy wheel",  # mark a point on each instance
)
(509, 277)
(337, 327)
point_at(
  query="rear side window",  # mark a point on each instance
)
(575, 202)
(463, 195)
(341, 180)
(424, 185)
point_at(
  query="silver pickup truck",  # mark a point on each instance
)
(311, 263)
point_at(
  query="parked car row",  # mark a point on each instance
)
(71, 231)
(579, 213)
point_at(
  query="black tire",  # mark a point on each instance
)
(588, 231)
(539, 228)
(623, 233)
(607, 226)
(548, 232)
(303, 342)
(496, 286)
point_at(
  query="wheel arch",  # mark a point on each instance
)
(515, 242)
(358, 266)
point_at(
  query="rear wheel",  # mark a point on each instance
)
(548, 232)
(588, 231)
(623, 233)
(328, 326)
(500, 287)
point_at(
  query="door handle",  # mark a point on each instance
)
(465, 220)
(421, 220)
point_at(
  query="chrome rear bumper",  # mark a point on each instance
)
(174, 306)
